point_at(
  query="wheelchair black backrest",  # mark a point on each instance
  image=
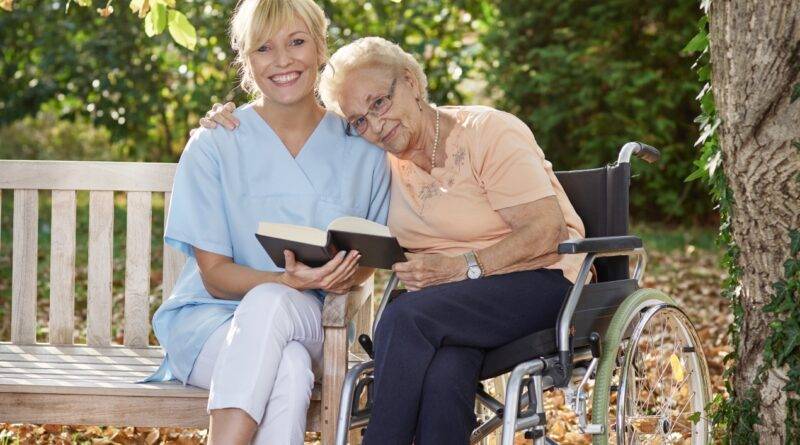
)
(600, 196)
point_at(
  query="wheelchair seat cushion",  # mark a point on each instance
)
(593, 313)
(503, 359)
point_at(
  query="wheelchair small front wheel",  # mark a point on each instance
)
(652, 384)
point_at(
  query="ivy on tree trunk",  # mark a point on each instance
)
(754, 49)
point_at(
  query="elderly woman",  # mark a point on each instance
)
(477, 204)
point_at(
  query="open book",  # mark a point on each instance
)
(315, 247)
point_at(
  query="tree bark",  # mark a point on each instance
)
(755, 58)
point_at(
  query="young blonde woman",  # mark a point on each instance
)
(237, 324)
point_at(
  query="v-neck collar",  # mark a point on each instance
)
(419, 185)
(282, 147)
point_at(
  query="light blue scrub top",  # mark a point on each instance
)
(226, 183)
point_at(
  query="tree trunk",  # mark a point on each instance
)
(755, 57)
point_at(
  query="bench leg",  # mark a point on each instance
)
(335, 367)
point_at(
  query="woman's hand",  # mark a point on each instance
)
(220, 114)
(427, 270)
(335, 276)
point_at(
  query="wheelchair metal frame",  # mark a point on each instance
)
(521, 410)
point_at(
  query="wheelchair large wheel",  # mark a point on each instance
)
(652, 385)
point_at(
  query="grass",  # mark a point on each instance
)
(664, 238)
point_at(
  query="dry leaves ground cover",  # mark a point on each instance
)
(688, 273)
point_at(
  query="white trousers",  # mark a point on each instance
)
(264, 361)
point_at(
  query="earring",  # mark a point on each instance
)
(419, 105)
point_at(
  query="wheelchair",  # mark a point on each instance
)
(633, 346)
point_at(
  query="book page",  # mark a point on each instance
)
(359, 225)
(302, 234)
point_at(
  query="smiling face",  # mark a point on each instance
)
(284, 67)
(400, 126)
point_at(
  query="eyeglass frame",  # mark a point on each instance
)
(350, 128)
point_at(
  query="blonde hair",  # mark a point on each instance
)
(372, 52)
(256, 21)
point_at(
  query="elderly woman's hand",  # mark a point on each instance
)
(423, 270)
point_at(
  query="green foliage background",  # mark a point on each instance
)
(589, 76)
(586, 76)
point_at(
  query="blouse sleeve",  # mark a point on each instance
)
(197, 212)
(509, 163)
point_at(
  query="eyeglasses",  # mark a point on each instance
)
(359, 125)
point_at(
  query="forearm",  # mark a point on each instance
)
(231, 281)
(531, 246)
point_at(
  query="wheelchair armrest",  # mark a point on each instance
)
(605, 244)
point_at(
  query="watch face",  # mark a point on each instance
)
(474, 272)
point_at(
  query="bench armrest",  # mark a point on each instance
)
(605, 244)
(338, 310)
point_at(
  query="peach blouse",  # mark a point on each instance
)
(493, 162)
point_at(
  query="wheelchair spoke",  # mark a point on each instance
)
(680, 417)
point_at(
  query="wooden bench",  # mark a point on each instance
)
(94, 383)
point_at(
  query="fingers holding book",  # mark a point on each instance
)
(340, 280)
(335, 276)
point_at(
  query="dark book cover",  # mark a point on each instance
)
(376, 251)
(309, 254)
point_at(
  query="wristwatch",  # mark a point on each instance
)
(473, 268)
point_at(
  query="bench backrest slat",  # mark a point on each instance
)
(173, 260)
(62, 267)
(137, 269)
(84, 175)
(105, 181)
(23, 275)
(100, 269)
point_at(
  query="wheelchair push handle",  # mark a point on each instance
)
(642, 151)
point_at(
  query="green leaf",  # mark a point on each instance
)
(181, 30)
(156, 20)
(793, 339)
(698, 43)
(698, 173)
(704, 73)
(795, 237)
(695, 417)
(796, 93)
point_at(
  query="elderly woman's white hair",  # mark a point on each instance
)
(371, 52)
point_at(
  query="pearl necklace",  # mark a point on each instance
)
(435, 141)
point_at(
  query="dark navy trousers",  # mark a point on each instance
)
(429, 348)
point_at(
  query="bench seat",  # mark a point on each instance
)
(88, 385)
